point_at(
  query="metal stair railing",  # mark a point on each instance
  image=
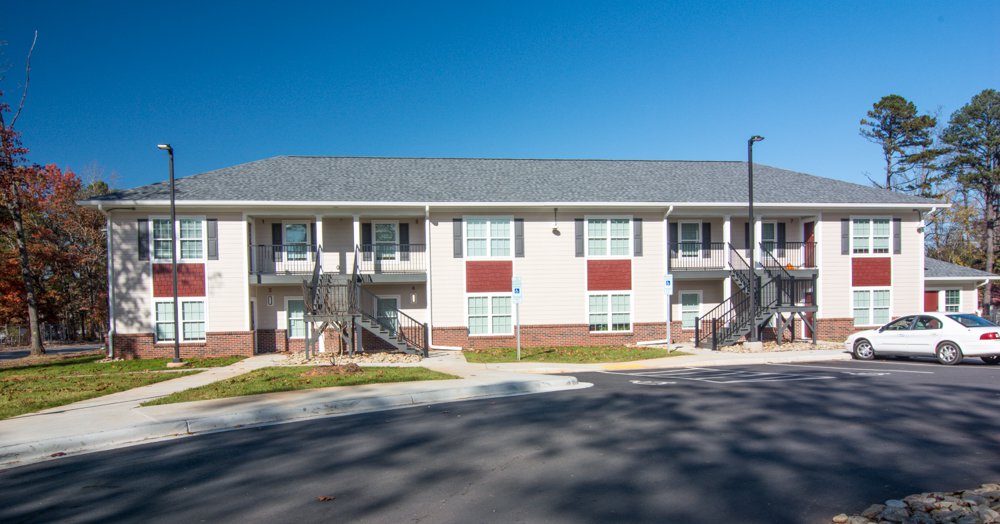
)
(399, 325)
(722, 322)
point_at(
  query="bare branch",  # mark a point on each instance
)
(27, 73)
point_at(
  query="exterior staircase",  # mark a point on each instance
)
(777, 293)
(342, 301)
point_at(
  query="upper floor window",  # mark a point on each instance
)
(690, 239)
(609, 237)
(488, 237)
(870, 235)
(190, 234)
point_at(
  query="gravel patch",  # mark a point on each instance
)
(786, 346)
(327, 359)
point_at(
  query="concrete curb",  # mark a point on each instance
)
(694, 361)
(237, 415)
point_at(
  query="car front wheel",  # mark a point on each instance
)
(948, 353)
(863, 350)
(993, 360)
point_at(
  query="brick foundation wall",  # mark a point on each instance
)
(218, 344)
(271, 341)
(836, 329)
(549, 335)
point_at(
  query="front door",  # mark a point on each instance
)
(385, 311)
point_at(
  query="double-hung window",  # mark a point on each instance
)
(386, 237)
(610, 312)
(952, 301)
(609, 237)
(871, 307)
(870, 235)
(490, 315)
(488, 236)
(190, 236)
(690, 239)
(296, 319)
(192, 320)
(296, 241)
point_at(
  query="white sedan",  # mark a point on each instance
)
(947, 336)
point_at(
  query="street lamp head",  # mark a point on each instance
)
(165, 147)
(756, 138)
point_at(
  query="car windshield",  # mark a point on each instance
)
(972, 321)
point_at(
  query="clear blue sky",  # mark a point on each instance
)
(575, 79)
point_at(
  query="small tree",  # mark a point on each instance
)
(973, 159)
(906, 139)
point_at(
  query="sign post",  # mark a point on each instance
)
(668, 290)
(515, 286)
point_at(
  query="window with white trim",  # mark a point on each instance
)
(190, 234)
(385, 235)
(296, 241)
(488, 237)
(609, 237)
(870, 235)
(192, 320)
(690, 239)
(952, 301)
(871, 306)
(690, 309)
(609, 312)
(295, 318)
(490, 315)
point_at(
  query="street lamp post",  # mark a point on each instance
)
(173, 254)
(751, 241)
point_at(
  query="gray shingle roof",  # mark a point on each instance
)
(366, 179)
(934, 268)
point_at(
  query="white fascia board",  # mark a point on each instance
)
(356, 204)
(960, 279)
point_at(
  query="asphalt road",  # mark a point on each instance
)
(13, 354)
(769, 443)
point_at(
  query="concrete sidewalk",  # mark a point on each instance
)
(117, 420)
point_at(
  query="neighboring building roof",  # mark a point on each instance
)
(939, 269)
(444, 180)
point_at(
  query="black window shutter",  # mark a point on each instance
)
(845, 236)
(637, 237)
(143, 239)
(897, 237)
(579, 237)
(456, 234)
(781, 238)
(404, 241)
(519, 237)
(276, 252)
(706, 240)
(366, 241)
(212, 233)
(673, 240)
(746, 236)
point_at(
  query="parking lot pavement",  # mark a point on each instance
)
(13, 354)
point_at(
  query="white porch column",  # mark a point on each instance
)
(357, 242)
(318, 241)
(727, 238)
(756, 239)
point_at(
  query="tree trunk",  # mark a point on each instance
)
(14, 208)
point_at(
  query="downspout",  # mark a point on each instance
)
(666, 264)
(111, 283)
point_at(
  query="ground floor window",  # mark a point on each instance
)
(871, 307)
(952, 301)
(296, 318)
(490, 315)
(690, 309)
(610, 312)
(192, 320)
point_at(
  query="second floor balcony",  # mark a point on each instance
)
(289, 263)
(715, 256)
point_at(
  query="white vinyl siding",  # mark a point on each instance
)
(490, 315)
(609, 237)
(871, 307)
(487, 237)
(610, 312)
(870, 236)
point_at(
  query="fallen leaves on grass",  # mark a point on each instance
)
(348, 369)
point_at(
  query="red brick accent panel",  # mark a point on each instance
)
(930, 300)
(486, 276)
(218, 344)
(609, 275)
(836, 329)
(549, 336)
(190, 280)
(871, 271)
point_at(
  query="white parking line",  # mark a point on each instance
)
(717, 376)
(847, 370)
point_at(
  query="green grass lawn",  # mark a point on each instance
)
(35, 387)
(569, 355)
(290, 378)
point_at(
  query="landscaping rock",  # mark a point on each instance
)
(973, 506)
